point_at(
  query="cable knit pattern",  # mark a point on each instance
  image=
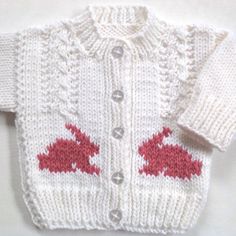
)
(117, 115)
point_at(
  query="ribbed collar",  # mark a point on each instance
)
(99, 26)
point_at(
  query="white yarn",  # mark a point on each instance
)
(181, 77)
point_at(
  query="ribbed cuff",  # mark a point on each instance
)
(7, 83)
(210, 118)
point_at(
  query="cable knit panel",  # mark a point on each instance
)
(181, 61)
(117, 115)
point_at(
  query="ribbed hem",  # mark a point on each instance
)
(7, 60)
(210, 118)
(142, 211)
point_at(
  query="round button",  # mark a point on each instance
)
(117, 177)
(115, 215)
(117, 51)
(117, 95)
(118, 132)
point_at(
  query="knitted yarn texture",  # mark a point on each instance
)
(117, 115)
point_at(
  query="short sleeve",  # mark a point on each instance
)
(7, 82)
(211, 111)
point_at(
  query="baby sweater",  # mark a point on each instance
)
(117, 115)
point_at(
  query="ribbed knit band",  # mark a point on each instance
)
(210, 118)
(143, 211)
(7, 92)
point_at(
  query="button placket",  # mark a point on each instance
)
(117, 96)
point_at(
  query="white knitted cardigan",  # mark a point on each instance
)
(117, 115)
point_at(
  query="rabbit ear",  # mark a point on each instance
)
(75, 131)
(155, 141)
(166, 131)
(79, 135)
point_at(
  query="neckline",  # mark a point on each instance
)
(118, 17)
(137, 24)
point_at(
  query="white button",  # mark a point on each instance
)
(115, 215)
(118, 132)
(117, 51)
(117, 177)
(117, 95)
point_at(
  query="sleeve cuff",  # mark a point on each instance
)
(210, 119)
(7, 83)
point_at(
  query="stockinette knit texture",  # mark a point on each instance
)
(117, 115)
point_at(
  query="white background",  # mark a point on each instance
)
(219, 216)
